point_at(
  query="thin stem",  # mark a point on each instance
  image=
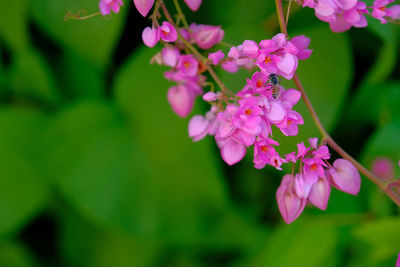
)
(288, 12)
(180, 14)
(384, 185)
(224, 89)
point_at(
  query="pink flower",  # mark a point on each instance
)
(344, 176)
(289, 126)
(200, 126)
(193, 4)
(216, 57)
(393, 12)
(250, 49)
(206, 36)
(229, 66)
(210, 96)
(181, 100)
(151, 36)
(383, 167)
(302, 43)
(275, 113)
(320, 192)
(107, 5)
(170, 56)
(168, 32)
(188, 65)
(143, 6)
(232, 151)
(289, 203)
(379, 9)
(259, 82)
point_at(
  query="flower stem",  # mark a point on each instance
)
(382, 184)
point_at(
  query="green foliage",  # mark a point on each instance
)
(93, 39)
(96, 169)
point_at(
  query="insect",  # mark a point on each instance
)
(274, 80)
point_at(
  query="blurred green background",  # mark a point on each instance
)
(96, 170)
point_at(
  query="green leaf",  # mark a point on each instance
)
(308, 244)
(13, 24)
(382, 237)
(84, 244)
(22, 191)
(93, 38)
(95, 163)
(30, 75)
(84, 79)
(16, 255)
(382, 101)
(186, 180)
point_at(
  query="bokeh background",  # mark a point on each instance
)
(96, 170)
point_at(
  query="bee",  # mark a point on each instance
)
(275, 82)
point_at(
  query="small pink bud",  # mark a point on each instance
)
(344, 176)
(216, 57)
(181, 100)
(193, 4)
(170, 56)
(151, 36)
(229, 66)
(210, 96)
(289, 204)
(107, 5)
(319, 194)
(232, 151)
(168, 32)
(143, 6)
(383, 167)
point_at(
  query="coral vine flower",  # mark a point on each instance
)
(107, 5)
(379, 9)
(193, 4)
(143, 6)
(206, 36)
(168, 32)
(151, 36)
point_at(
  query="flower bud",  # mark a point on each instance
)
(319, 194)
(170, 56)
(206, 36)
(143, 6)
(344, 176)
(193, 4)
(168, 32)
(289, 204)
(151, 36)
(181, 100)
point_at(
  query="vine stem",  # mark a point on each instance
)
(386, 186)
(210, 70)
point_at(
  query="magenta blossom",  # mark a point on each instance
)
(143, 6)
(289, 203)
(379, 9)
(345, 177)
(206, 36)
(181, 100)
(193, 4)
(107, 5)
(188, 65)
(168, 32)
(151, 36)
(216, 57)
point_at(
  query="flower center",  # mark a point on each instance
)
(264, 149)
(314, 167)
(382, 8)
(186, 64)
(248, 112)
(267, 60)
(289, 122)
(259, 83)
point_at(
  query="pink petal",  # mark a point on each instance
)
(276, 112)
(319, 194)
(150, 36)
(232, 152)
(181, 100)
(345, 177)
(197, 126)
(287, 64)
(210, 96)
(193, 4)
(143, 6)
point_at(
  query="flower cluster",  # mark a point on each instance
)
(243, 120)
(344, 14)
(314, 180)
(260, 104)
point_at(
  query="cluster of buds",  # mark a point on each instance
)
(312, 184)
(344, 14)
